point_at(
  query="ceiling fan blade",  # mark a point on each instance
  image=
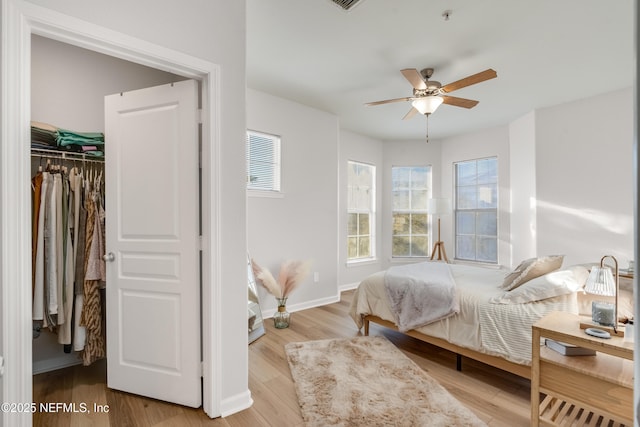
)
(414, 77)
(410, 114)
(387, 101)
(471, 80)
(459, 102)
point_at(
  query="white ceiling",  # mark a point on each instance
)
(545, 52)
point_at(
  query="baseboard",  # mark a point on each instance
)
(52, 364)
(237, 403)
(348, 286)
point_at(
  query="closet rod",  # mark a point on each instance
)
(52, 154)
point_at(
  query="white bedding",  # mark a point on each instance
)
(496, 329)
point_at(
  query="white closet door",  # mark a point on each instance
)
(153, 279)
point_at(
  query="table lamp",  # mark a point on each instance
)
(439, 207)
(602, 281)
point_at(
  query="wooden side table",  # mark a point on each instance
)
(578, 388)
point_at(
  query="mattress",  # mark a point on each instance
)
(502, 330)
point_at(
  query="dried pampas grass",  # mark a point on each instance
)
(267, 280)
(291, 275)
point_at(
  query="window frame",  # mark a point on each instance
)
(476, 210)
(371, 211)
(276, 165)
(411, 211)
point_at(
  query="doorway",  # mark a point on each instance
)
(150, 303)
(68, 86)
(18, 25)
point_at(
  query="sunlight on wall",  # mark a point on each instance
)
(614, 223)
(533, 209)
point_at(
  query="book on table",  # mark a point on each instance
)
(568, 349)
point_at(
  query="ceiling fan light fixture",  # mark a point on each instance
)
(346, 4)
(427, 104)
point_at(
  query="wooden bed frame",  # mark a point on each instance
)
(497, 362)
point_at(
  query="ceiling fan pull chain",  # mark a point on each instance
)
(427, 116)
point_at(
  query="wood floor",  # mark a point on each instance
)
(498, 398)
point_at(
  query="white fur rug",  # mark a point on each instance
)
(367, 381)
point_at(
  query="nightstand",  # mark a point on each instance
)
(579, 387)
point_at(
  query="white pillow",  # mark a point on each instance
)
(559, 282)
(530, 269)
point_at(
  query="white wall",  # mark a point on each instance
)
(68, 83)
(556, 196)
(584, 178)
(355, 147)
(216, 33)
(485, 143)
(522, 151)
(303, 223)
(407, 153)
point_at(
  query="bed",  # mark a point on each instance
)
(492, 324)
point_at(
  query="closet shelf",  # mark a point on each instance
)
(66, 155)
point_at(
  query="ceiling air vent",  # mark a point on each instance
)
(346, 4)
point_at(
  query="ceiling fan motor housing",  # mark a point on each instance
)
(426, 73)
(433, 85)
(433, 88)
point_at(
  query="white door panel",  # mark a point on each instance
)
(153, 283)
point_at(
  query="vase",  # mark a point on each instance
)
(281, 317)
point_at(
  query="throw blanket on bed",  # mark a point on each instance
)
(420, 293)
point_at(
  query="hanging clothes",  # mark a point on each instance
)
(50, 255)
(39, 266)
(55, 297)
(68, 268)
(92, 311)
(36, 185)
(64, 332)
(80, 221)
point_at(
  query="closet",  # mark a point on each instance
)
(70, 87)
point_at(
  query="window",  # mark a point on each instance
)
(361, 180)
(476, 210)
(411, 189)
(263, 161)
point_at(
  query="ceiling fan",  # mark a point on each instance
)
(429, 94)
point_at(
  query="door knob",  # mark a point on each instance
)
(110, 257)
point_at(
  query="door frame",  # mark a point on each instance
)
(19, 20)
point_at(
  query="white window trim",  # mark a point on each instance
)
(358, 262)
(265, 193)
(372, 220)
(372, 235)
(409, 258)
(455, 225)
(261, 192)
